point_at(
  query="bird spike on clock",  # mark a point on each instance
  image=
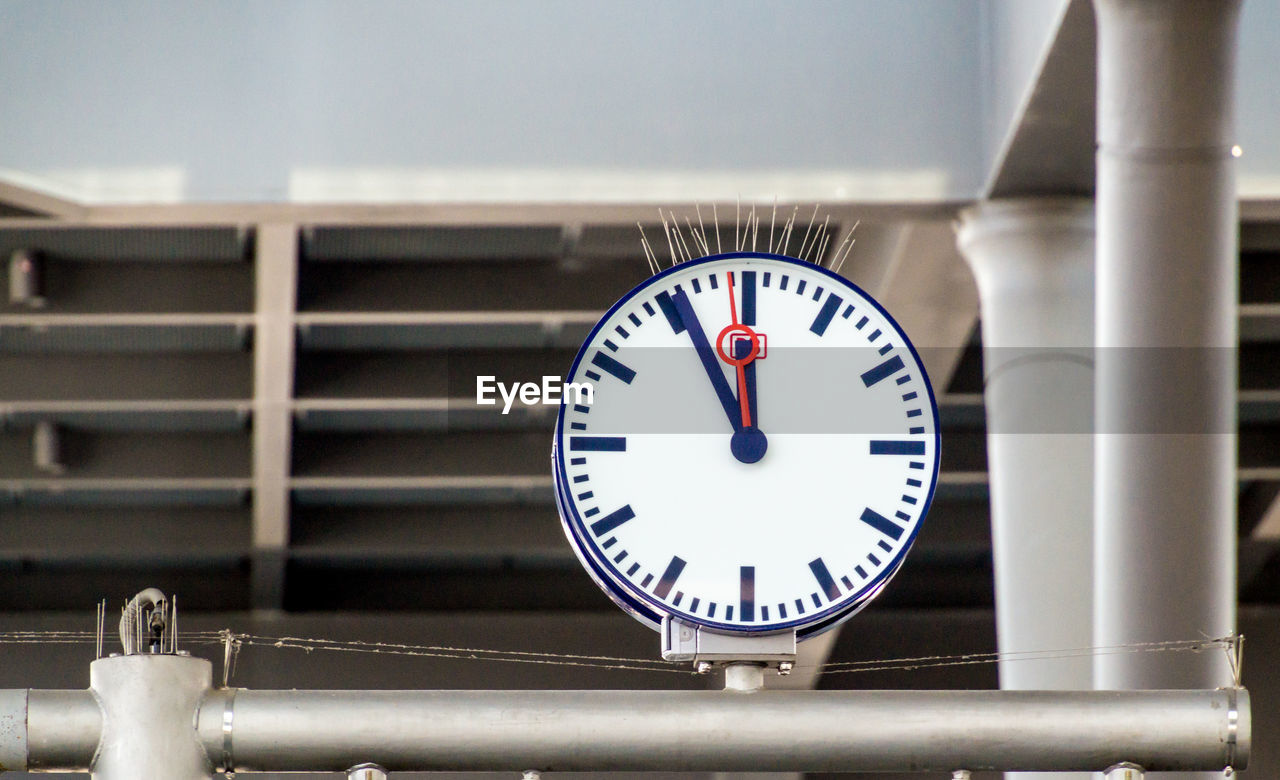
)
(761, 443)
(746, 237)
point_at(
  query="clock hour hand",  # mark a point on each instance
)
(708, 357)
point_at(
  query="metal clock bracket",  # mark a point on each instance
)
(689, 642)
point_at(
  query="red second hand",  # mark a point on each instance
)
(742, 373)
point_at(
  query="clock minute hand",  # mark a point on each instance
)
(708, 357)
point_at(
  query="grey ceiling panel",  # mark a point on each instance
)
(139, 496)
(376, 493)
(128, 243)
(37, 338)
(432, 242)
(150, 418)
(533, 333)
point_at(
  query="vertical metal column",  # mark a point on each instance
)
(1166, 333)
(1033, 262)
(148, 717)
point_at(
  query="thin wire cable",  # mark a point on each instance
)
(1230, 643)
(969, 659)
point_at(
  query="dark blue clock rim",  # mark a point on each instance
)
(640, 603)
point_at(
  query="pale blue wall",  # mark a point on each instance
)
(236, 93)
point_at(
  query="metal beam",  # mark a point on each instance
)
(273, 355)
(913, 731)
(1049, 149)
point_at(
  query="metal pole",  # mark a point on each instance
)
(1033, 261)
(1165, 562)
(764, 731)
(156, 722)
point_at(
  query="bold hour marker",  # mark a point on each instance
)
(669, 578)
(747, 592)
(669, 309)
(614, 519)
(881, 523)
(828, 311)
(883, 371)
(824, 578)
(609, 365)
(893, 447)
(599, 443)
(748, 301)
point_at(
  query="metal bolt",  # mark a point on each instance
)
(704, 667)
(784, 668)
(366, 772)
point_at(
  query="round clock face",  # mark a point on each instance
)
(759, 450)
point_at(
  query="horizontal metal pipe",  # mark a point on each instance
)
(713, 730)
(63, 730)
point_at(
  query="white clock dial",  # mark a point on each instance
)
(760, 450)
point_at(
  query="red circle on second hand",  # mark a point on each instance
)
(746, 331)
